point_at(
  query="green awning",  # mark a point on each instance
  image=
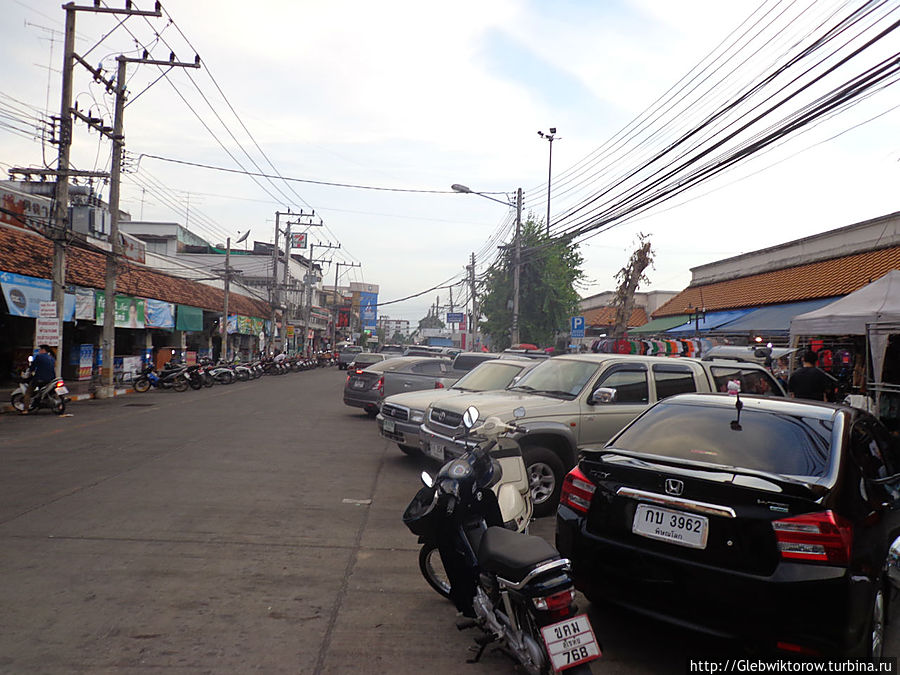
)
(189, 318)
(661, 324)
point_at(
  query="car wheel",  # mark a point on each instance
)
(545, 476)
(875, 636)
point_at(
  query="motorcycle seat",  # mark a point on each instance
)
(512, 555)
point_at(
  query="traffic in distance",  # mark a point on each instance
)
(696, 491)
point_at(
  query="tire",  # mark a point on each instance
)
(17, 401)
(208, 380)
(408, 449)
(196, 383)
(433, 570)
(59, 405)
(877, 621)
(242, 375)
(141, 385)
(545, 475)
(180, 384)
(225, 377)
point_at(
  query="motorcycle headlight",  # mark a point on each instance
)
(417, 416)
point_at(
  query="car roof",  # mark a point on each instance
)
(772, 404)
(652, 358)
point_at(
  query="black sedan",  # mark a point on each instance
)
(771, 521)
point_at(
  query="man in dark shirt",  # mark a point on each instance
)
(44, 368)
(809, 381)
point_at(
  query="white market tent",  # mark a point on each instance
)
(857, 314)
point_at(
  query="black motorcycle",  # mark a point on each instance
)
(514, 587)
(168, 378)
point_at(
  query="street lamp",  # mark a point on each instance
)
(514, 333)
(549, 137)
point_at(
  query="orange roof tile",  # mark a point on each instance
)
(22, 252)
(822, 279)
(606, 316)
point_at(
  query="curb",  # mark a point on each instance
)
(7, 408)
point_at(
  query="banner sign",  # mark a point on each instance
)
(368, 309)
(244, 325)
(298, 240)
(24, 295)
(85, 307)
(47, 332)
(160, 314)
(85, 362)
(128, 311)
(343, 317)
(257, 326)
(189, 318)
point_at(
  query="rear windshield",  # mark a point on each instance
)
(765, 441)
(488, 376)
(368, 358)
(469, 361)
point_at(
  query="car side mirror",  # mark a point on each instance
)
(603, 395)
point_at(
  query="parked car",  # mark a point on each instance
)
(393, 350)
(347, 354)
(465, 361)
(422, 350)
(366, 388)
(563, 408)
(366, 359)
(773, 521)
(524, 353)
(402, 414)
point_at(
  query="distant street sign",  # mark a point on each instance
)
(577, 326)
(454, 317)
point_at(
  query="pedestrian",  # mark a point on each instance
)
(44, 372)
(808, 381)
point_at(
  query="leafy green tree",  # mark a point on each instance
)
(398, 338)
(549, 275)
(431, 321)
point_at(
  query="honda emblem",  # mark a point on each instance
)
(674, 486)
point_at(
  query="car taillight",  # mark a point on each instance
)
(577, 491)
(359, 372)
(816, 537)
(379, 385)
(438, 385)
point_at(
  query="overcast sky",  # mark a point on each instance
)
(417, 96)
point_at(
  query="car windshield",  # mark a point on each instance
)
(763, 440)
(488, 376)
(558, 377)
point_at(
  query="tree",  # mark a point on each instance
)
(398, 338)
(630, 278)
(431, 321)
(549, 274)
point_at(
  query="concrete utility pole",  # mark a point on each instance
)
(107, 389)
(309, 286)
(514, 333)
(472, 322)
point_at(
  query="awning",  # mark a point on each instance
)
(773, 318)
(711, 321)
(660, 325)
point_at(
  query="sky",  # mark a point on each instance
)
(412, 97)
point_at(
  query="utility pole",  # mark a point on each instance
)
(223, 323)
(309, 286)
(549, 137)
(275, 294)
(115, 181)
(63, 172)
(452, 325)
(514, 334)
(288, 245)
(473, 319)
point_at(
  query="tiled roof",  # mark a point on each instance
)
(22, 252)
(823, 279)
(606, 316)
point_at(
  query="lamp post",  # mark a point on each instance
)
(550, 137)
(514, 332)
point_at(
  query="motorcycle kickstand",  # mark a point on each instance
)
(482, 641)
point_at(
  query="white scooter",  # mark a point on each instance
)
(51, 395)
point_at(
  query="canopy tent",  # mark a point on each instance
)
(877, 302)
(661, 324)
(772, 318)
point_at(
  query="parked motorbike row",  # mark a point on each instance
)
(471, 520)
(181, 377)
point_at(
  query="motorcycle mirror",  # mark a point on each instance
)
(470, 417)
(427, 479)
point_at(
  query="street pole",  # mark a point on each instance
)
(61, 207)
(286, 315)
(473, 330)
(224, 325)
(550, 137)
(516, 263)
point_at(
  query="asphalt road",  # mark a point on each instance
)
(254, 527)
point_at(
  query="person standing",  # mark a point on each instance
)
(44, 368)
(808, 381)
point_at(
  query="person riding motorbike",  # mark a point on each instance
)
(43, 372)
